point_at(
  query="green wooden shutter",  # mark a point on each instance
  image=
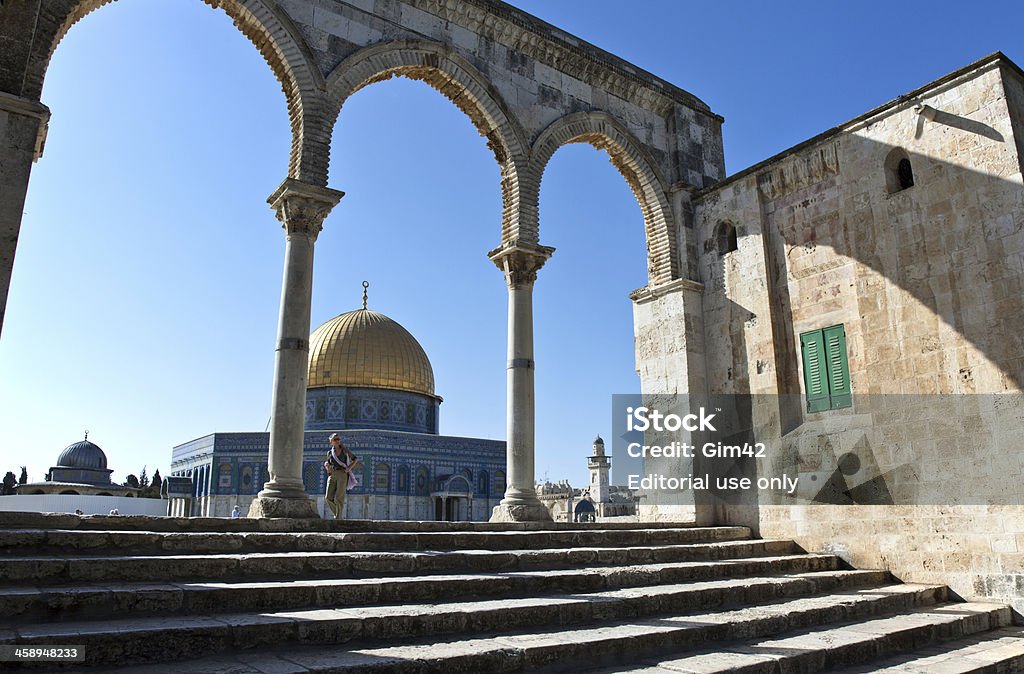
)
(838, 367)
(812, 345)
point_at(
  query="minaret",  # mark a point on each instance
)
(598, 465)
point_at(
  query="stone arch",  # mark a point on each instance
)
(604, 132)
(457, 80)
(273, 34)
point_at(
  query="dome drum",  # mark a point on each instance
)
(342, 407)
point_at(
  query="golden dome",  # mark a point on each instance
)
(364, 348)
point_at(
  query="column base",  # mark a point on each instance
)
(296, 508)
(514, 512)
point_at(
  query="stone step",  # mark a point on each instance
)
(565, 648)
(36, 520)
(111, 642)
(76, 602)
(827, 649)
(1000, 651)
(39, 570)
(69, 541)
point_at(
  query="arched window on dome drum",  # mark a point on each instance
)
(499, 483)
(483, 483)
(381, 477)
(403, 480)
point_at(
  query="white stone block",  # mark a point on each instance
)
(422, 22)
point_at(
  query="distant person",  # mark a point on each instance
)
(235, 513)
(113, 511)
(78, 511)
(341, 465)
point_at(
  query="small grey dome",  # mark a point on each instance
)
(83, 454)
(598, 440)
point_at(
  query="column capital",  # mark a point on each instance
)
(302, 207)
(27, 107)
(520, 261)
(653, 292)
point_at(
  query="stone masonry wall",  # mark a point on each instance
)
(928, 283)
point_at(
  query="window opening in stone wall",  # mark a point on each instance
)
(905, 174)
(899, 172)
(727, 241)
(826, 369)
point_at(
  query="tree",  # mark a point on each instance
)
(24, 476)
(143, 478)
(132, 481)
(155, 485)
(9, 483)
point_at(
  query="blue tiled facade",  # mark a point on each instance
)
(401, 473)
(236, 463)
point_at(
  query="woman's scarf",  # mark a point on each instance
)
(353, 478)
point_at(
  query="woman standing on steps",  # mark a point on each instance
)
(341, 465)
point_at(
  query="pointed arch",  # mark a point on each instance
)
(273, 34)
(457, 80)
(604, 132)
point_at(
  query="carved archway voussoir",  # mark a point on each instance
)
(269, 30)
(442, 68)
(604, 132)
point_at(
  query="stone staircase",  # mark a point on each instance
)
(217, 595)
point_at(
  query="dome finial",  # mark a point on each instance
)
(86, 434)
(366, 284)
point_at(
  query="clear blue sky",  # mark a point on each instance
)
(146, 286)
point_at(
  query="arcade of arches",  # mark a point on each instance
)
(527, 87)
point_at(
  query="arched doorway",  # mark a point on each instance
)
(453, 499)
(584, 512)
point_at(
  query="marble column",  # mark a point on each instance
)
(301, 208)
(22, 133)
(520, 263)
